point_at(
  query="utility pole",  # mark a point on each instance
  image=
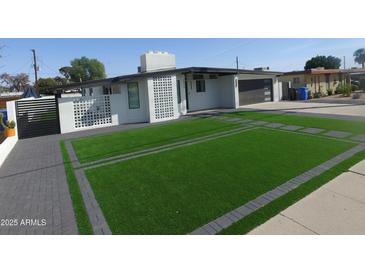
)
(237, 63)
(344, 62)
(35, 69)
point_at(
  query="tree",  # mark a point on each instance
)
(15, 82)
(45, 83)
(328, 62)
(360, 57)
(85, 69)
(60, 80)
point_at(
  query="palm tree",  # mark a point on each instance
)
(360, 57)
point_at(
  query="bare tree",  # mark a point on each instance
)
(15, 82)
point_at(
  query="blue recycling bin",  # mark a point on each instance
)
(303, 93)
(5, 118)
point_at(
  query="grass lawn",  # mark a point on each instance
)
(177, 191)
(356, 127)
(102, 146)
(275, 207)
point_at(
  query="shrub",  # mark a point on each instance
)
(354, 87)
(317, 94)
(345, 89)
(7, 124)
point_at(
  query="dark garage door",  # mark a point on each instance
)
(255, 91)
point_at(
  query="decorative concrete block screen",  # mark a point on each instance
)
(92, 111)
(163, 97)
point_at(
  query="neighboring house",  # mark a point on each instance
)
(319, 79)
(160, 91)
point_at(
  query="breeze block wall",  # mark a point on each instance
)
(162, 96)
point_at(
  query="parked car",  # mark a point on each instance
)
(355, 82)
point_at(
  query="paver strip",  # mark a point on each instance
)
(274, 125)
(96, 217)
(259, 123)
(338, 134)
(291, 127)
(226, 220)
(360, 138)
(77, 164)
(312, 130)
(72, 154)
(243, 129)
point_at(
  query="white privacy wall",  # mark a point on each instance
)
(8, 144)
(87, 112)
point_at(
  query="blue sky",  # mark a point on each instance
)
(121, 56)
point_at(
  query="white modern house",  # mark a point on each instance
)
(160, 92)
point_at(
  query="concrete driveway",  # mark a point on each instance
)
(332, 109)
(337, 208)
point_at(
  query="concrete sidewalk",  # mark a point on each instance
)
(321, 109)
(337, 208)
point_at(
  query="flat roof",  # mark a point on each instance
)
(127, 77)
(325, 71)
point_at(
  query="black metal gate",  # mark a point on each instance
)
(37, 117)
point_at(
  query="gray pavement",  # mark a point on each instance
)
(34, 194)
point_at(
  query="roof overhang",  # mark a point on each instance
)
(130, 77)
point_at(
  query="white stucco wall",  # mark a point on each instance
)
(204, 100)
(220, 93)
(227, 91)
(11, 111)
(121, 104)
(6, 147)
(8, 144)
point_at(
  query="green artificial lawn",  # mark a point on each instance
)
(177, 191)
(356, 127)
(102, 146)
(263, 214)
(82, 219)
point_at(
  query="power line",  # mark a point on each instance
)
(224, 51)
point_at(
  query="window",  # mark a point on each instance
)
(178, 92)
(107, 90)
(198, 76)
(91, 91)
(133, 95)
(296, 80)
(200, 85)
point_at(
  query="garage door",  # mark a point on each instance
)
(255, 91)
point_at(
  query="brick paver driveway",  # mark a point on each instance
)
(34, 195)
